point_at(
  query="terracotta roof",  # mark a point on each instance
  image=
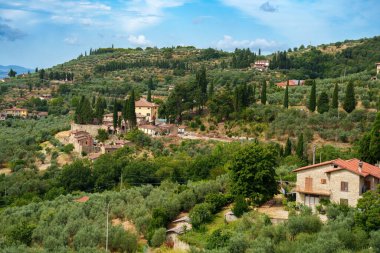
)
(82, 199)
(291, 83)
(350, 165)
(144, 103)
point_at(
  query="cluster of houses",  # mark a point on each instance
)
(340, 181)
(82, 136)
(261, 65)
(16, 112)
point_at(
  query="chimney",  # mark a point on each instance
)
(360, 166)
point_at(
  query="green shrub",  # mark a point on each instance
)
(218, 239)
(158, 238)
(200, 214)
(240, 206)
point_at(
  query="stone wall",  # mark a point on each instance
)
(91, 129)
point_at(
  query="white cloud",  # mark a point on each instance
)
(139, 40)
(299, 20)
(229, 43)
(72, 40)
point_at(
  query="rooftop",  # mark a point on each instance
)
(144, 103)
(350, 165)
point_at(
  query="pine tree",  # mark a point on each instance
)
(335, 101)
(115, 116)
(323, 103)
(349, 100)
(313, 97)
(299, 149)
(149, 96)
(264, 93)
(288, 148)
(286, 97)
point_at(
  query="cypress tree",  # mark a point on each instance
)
(211, 90)
(78, 112)
(149, 96)
(323, 103)
(131, 111)
(286, 97)
(349, 100)
(369, 146)
(299, 149)
(99, 109)
(335, 101)
(125, 111)
(254, 94)
(288, 148)
(115, 116)
(264, 93)
(313, 97)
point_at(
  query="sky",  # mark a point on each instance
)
(43, 33)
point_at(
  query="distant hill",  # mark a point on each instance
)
(5, 69)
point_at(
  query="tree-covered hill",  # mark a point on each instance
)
(333, 60)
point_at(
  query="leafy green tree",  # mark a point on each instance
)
(158, 238)
(149, 96)
(323, 103)
(369, 145)
(299, 148)
(253, 174)
(286, 97)
(313, 97)
(335, 97)
(367, 215)
(102, 135)
(200, 214)
(240, 206)
(349, 102)
(288, 148)
(22, 233)
(76, 176)
(218, 239)
(264, 92)
(122, 241)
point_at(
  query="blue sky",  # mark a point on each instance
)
(43, 33)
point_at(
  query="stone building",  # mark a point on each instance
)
(82, 141)
(340, 181)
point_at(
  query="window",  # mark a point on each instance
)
(344, 202)
(344, 186)
(323, 181)
(148, 114)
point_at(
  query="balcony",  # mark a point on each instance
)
(310, 190)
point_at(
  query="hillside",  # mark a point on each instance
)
(329, 61)
(5, 69)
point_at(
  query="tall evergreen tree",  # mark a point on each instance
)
(349, 100)
(288, 148)
(286, 97)
(78, 112)
(335, 97)
(99, 109)
(201, 83)
(211, 90)
(369, 146)
(323, 103)
(132, 122)
(149, 96)
(264, 92)
(125, 111)
(115, 116)
(254, 94)
(313, 97)
(299, 149)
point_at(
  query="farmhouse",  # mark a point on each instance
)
(292, 83)
(82, 141)
(261, 65)
(16, 112)
(147, 109)
(341, 181)
(149, 129)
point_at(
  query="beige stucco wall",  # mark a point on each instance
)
(152, 111)
(353, 193)
(91, 129)
(317, 174)
(333, 184)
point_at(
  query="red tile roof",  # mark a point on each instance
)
(350, 165)
(82, 199)
(144, 103)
